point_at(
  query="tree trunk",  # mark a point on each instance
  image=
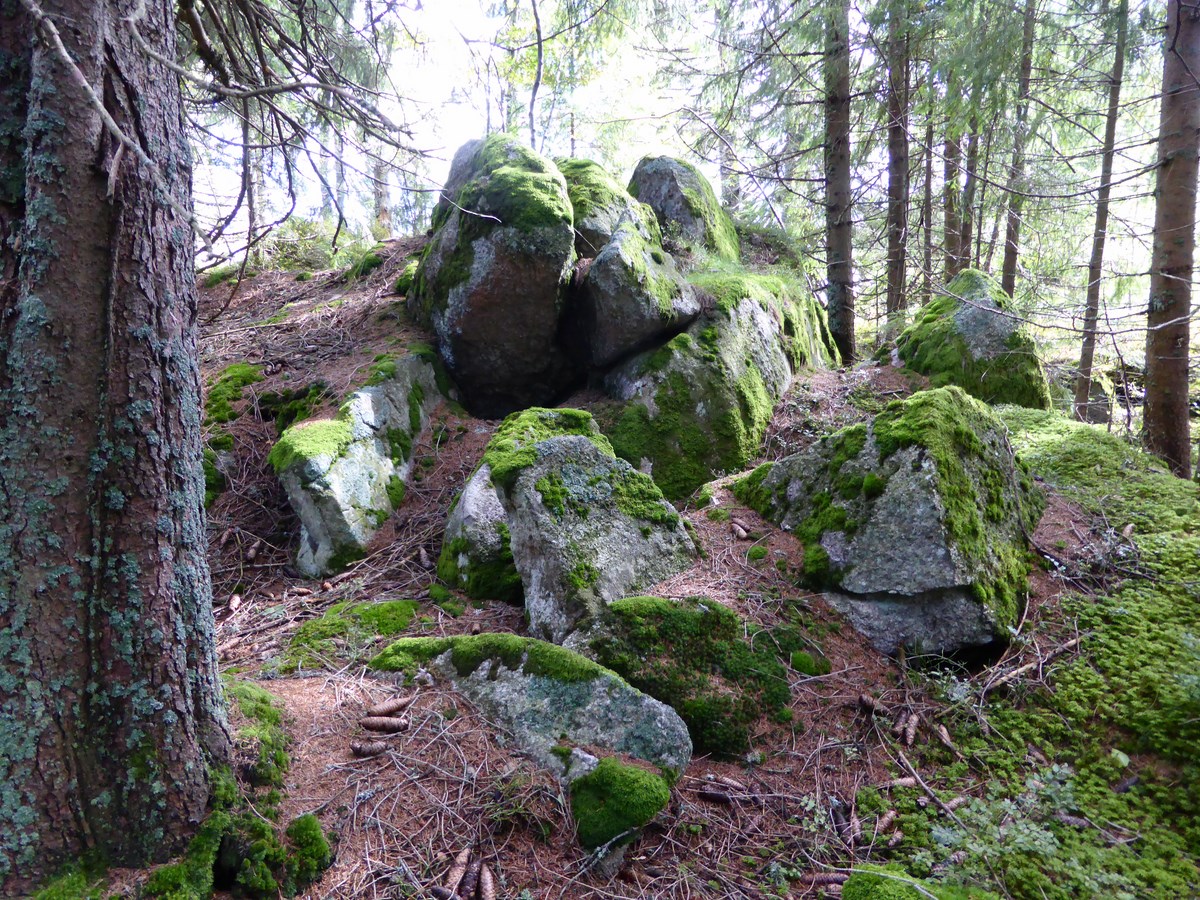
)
(970, 188)
(537, 77)
(1016, 174)
(112, 710)
(897, 202)
(927, 206)
(1083, 383)
(838, 250)
(383, 201)
(1165, 421)
(951, 224)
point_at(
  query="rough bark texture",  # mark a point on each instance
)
(897, 204)
(1083, 382)
(1166, 412)
(111, 711)
(951, 223)
(1016, 173)
(839, 258)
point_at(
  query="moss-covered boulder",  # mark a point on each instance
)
(476, 552)
(492, 281)
(632, 294)
(684, 202)
(693, 655)
(699, 404)
(585, 527)
(971, 337)
(917, 523)
(343, 633)
(344, 476)
(599, 204)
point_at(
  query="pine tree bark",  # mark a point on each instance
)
(838, 198)
(1165, 420)
(951, 223)
(966, 231)
(1016, 173)
(897, 200)
(1083, 383)
(111, 713)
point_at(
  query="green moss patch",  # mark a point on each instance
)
(227, 389)
(292, 405)
(935, 345)
(495, 579)
(369, 260)
(512, 447)
(262, 742)
(691, 655)
(343, 632)
(515, 185)
(468, 653)
(310, 440)
(613, 799)
(214, 480)
(590, 187)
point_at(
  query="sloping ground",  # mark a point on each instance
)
(1063, 769)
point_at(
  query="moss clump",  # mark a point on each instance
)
(1001, 370)
(223, 273)
(310, 854)
(310, 440)
(292, 405)
(719, 234)
(591, 188)
(615, 798)
(214, 480)
(512, 447)
(227, 389)
(483, 579)
(515, 185)
(806, 663)
(756, 553)
(691, 656)
(78, 882)
(192, 877)
(878, 883)
(395, 491)
(262, 742)
(468, 653)
(407, 275)
(344, 632)
(370, 260)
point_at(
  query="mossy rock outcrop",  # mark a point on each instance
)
(344, 476)
(343, 633)
(552, 702)
(492, 281)
(684, 202)
(693, 655)
(585, 528)
(631, 296)
(598, 201)
(916, 524)
(970, 337)
(700, 404)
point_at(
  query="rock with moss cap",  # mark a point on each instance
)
(699, 404)
(685, 204)
(476, 552)
(916, 524)
(971, 337)
(599, 204)
(344, 476)
(492, 281)
(632, 295)
(585, 527)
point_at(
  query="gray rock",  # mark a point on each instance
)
(476, 554)
(916, 524)
(343, 476)
(632, 294)
(685, 204)
(587, 529)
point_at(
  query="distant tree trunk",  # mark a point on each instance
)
(897, 203)
(731, 185)
(1016, 174)
(1165, 420)
(112, 712)
(970, 187)
(1083, 383)
(382, 198)
(951, 223)
(927, 210)
(976, 260)
(537, 75)
(838, 229)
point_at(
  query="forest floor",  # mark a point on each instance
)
(782, 821)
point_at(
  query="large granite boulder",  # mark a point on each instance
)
(971, 337)
(492, 281)
(571, 716)
(584, 527)
(700, 404)
(632, 295)
(598, 201)
(684, 202)
(915, 524)
(344, 476)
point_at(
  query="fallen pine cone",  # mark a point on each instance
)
(470, 881)
(487, 884)
(731, 783)
(458, 870)
(385, 724)
(895, 839)
(391, 707)
(886, 821)
(715, 796)
(871, 705)
(910, 729)
(367, 749)
(442, 893)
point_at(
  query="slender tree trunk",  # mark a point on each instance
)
(838, 198)
(951, 223)
(897, 203)
(382, 201)
(1165, 420)
(927, 208)
(970, 187)
(537, 75)
(1083, 383)
(1016, 174)
(112, 711)
(976, 260)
